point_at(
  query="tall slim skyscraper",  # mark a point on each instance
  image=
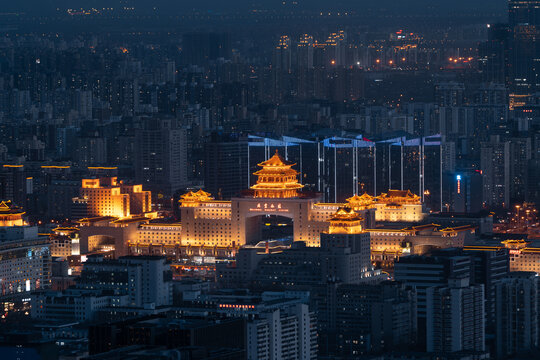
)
(226, 168)
(283, 54)
(517, 313)
(161, 156)
(495, 166)
(455, 317)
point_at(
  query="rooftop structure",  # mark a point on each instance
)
(11, 215)
(276, 179)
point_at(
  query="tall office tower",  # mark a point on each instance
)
(450, 94)
(284, 333)
(490, 267)
(495, 166)
(358, 319)
(91, 151)
(521, 154)
(524, 24)
(335, 47)
(493, 54)
(125, 96)
(534, 181)
(467, 191)
(82, 102)
(161, 156)
(226, 168)
(304, 52)
(424, 115)
(423, 272)
(517, 313)
(13, 183)
(455, 317)
(200, 48)
(283, 54)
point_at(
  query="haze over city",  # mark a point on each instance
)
(270, 179)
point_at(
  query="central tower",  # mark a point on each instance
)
(277, 179)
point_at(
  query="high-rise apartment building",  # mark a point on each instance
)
(495, 166)
(516, 313)
(161, 156)
(524, 24)
(226, 168)
(455, 317)
(146, 279)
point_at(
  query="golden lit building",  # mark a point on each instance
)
(210, 223)
(522, 256)
(64, 242)
(110, 197)
(157, 238)
(11, 215)
(210, 227)
(399, 206)
(345, 221)
(388, 245)
(277, 179)
(346, 231)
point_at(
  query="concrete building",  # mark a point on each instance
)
(25, 259)
(279, 325)
(455, 317)
(359, 319)
(110, 197)
(72, 304)
(284, 333)
(517, 314)
(423, 272)
(495, 166)
(147, 280)
(344, 255)
(388, 244)
(161, 156)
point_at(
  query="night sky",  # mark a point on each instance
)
(437, 7)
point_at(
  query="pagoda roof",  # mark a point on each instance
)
(199, 195)
(8, 208)
(365, 197)
(345, 213)
(276, 161)
(399, 193)
(397, 196)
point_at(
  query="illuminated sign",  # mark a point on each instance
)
(268, 207)
(458, 178)
(514, 252)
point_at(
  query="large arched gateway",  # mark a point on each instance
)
(206, 222)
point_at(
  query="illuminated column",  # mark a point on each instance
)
(374, 170)
(301, 170)
(401, 163)
(440, 174)
(335, 173)
(390, 166)
(318, 166)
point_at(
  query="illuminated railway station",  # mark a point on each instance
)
(211, 227)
